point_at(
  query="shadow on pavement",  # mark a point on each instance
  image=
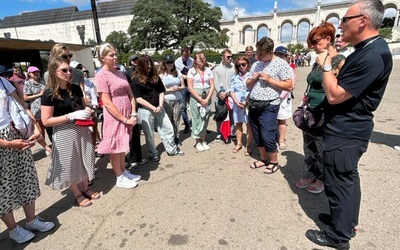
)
(386, 139)
(312, 204)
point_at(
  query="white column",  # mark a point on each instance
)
(396, 19)
(279, 33)
(240, 38)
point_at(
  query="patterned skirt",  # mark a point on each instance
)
(72, 156)
(19, 184)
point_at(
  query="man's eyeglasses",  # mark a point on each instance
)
(65, 70)
(347, 18)
(229, 57)
(67, 56)
(316, 41)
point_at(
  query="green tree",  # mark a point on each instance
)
(165, 24)
(387, 22)
(120, 41)
(91, 42)
(297, 48)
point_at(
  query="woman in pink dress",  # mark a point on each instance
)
(119, 117)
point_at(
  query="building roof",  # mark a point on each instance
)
(67, 14)
(18, 44)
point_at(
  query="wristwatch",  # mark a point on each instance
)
(327, 68)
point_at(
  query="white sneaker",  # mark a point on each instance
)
(218, 138)
(21, 235)
(131, 176)
(199, 146)
(124, 182)
(39, 225)
(397, 147)
(205, 146)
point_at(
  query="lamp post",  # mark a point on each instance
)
(81, 32)
(96, 21)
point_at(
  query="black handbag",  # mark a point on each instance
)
(221, 110)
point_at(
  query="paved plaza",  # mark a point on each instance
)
(213, 200)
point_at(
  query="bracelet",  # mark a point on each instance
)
(133, 115)
(66, 116)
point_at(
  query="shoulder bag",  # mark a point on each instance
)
(21, 119)
(308, 119)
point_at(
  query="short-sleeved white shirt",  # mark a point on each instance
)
(279, 70)
(198, 82)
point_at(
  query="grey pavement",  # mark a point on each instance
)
(213, 200)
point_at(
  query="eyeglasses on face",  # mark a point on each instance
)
(169, 62)
(317, 40)
(67, 56)
(66, 70)
(242, 64)
(347, 18)
(229, 57)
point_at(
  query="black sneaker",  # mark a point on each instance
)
(186, 130)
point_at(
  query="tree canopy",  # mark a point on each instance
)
(164, 24)
(120, 40)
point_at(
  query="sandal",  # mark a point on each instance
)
(92, 195)
(316, 189)
(85, 202)
(304, 183)
(270, 170)
(282, 145)
(254, 164)
(247, 151)
(237, 148)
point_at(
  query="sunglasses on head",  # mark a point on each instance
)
(347, 18)
(67, 56)
(66, 70)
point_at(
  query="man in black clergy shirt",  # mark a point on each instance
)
(350, 100)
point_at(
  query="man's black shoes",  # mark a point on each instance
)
(320, 238)
(327, 220)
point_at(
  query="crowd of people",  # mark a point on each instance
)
(256, 90)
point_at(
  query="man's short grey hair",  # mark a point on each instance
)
(374, 9)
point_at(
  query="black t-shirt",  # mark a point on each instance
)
(150, 91)
(129, 74)
(68, 105)
(364, 74)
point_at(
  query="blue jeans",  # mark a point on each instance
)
(185, 99)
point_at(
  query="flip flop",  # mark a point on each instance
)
(302, 183)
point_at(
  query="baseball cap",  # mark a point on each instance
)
(33, 69)
(281, 49)
(133, 57)
(74, 64)
(168, 58)
(5, 70)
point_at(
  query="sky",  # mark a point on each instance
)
(246, 7)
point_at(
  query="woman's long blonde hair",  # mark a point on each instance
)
(53, 82)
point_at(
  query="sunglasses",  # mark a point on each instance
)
(169, 62)
(67, 56)
(316, 41)
(242, 64)
(347, 18)
(229, 57)
(65, 70)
